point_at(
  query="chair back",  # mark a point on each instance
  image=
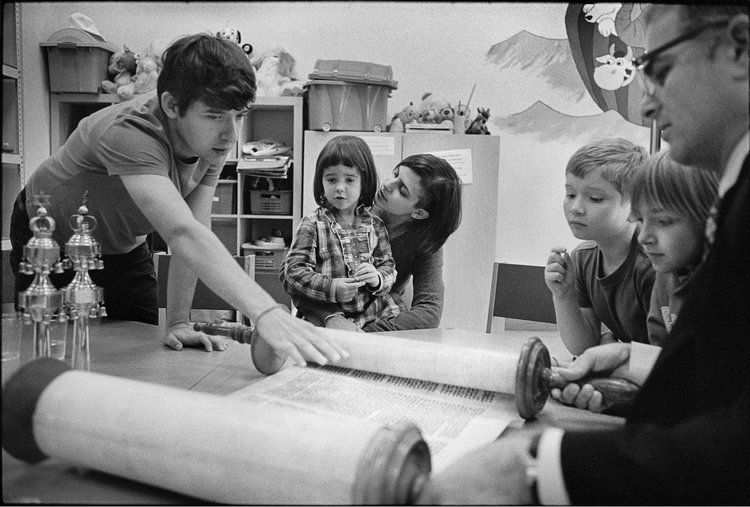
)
(519, 292)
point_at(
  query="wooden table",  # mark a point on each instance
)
(135, 351)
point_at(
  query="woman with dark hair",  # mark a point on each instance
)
(421, 207)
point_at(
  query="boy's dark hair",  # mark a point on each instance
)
(440, 197)
(616, 159)
(207, 68)
(350, 151)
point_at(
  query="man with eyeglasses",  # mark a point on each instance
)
(687, 438)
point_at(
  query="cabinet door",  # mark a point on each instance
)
(470, 251)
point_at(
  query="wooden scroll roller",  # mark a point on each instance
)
(211, 447)
(526, 373)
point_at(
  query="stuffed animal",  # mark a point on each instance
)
(234, 35)
(148, 66)
(146, 75)
(122, 66)
(409, 114)
(479, 124)
(435, 109)
(276, 74)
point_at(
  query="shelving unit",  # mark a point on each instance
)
(279, 118)
(12, 134)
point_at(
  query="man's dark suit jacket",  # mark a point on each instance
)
(686, 440)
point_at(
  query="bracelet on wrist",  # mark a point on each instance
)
(266, 311)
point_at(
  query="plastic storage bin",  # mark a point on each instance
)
(77, 61)
(349, 95)
(266, 202)
(266, 259)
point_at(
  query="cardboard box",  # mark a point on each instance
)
(226, 230)
(225, 198)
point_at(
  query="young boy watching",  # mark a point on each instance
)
(607, 279)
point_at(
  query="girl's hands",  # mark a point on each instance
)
(367, 273)
(558, 274)
(346, 288)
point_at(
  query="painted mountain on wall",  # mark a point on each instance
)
(562, 108)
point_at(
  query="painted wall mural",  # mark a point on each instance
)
(586, 89)
(604, 38)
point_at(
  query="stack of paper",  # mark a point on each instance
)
(269, 166)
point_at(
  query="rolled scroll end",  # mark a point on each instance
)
(394, 467)
(264, 357)
(20, 395)
(531, 388)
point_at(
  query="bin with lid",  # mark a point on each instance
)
(349, 95)
(77, 60)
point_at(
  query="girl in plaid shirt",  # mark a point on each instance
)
(341, 253)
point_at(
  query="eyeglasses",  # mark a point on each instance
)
(645, 62)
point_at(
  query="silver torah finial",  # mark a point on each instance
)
(83, 299)
(41, 302)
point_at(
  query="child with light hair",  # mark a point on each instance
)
(671, 202)
(607, 279)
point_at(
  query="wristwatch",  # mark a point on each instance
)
(531, 468)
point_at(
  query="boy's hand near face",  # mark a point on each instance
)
(558, 274)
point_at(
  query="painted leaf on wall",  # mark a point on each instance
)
(604, 38)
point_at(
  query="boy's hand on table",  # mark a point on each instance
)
(611, 359)
(181, 334)
(287, 336)
(558, 273)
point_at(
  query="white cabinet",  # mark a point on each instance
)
(470, 252)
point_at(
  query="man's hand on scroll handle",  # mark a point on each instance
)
(611, 359)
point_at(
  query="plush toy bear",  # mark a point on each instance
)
(435, 109)
(409, 114)
(276, 74)
(122, 66)
(148, 67)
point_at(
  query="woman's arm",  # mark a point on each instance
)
(427, 303)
